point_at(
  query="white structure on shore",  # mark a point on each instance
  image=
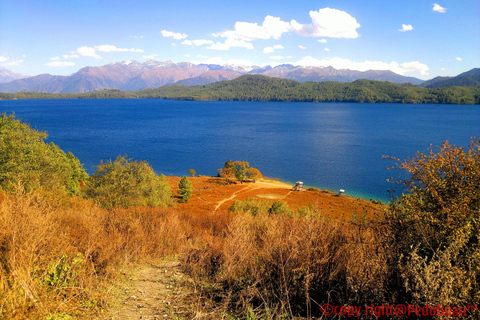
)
(298, 186)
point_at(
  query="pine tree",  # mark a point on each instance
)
(185, 188)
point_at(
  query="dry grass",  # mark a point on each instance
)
(290, 266)
(62, 256)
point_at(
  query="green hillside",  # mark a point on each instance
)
(262, 88)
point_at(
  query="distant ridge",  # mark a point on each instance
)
(7, 75)
(467, 79)
(131, 75)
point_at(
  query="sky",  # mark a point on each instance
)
(417, 38)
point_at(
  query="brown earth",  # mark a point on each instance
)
(213, 194)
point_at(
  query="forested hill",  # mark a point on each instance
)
(263, 88)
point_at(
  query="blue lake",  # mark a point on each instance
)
(327, 145)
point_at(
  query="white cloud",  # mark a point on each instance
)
(55, 58)
(330, 23)
(92, 51)
(442, 69)
(187, 55)
(326, 49)
(322, 40)
(14, 63)
(268, 50)
(151, 57)
(88, 52)
(276, 57)
(229, 43)
(199, 42)
(272, 49)
(272, 27)
(438, 8)
(302, 47)
(415, 66)
(220, 61)
(110, 48)
(70, 56)
(4, 59)
(174, 35)
(202, 56)
(458, 58)
(340, 63)
(406, 27)
(60, 64)
(137, 37)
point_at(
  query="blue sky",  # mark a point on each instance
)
(423, 39)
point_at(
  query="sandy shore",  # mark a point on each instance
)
(269, 183)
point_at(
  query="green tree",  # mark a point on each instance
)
(26, 158)
(192, 172)
(126, 183)
(228, 171)
(185, 189)
(240, 169)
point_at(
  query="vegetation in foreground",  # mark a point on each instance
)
(62, 249)
(263, 88)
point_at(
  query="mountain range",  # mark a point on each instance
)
(133, 76)
(7, 75)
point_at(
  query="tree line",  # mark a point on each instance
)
(263, 88)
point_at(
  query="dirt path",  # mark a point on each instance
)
(249, 187)
(156, 293)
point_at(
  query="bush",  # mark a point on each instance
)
(257, 206)
(125, 183)
(435, 227)
(25, 158)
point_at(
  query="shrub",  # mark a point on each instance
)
(435, 227)
(252, 205)
(126, 183)
(25, 158)
(257, 206)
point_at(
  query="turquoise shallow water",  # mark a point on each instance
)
(326, 145)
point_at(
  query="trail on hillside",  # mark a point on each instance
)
(158, 292)
(249, 187)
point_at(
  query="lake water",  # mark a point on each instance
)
(327, 145)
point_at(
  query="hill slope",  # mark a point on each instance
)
(262, 88)
(467, 79)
